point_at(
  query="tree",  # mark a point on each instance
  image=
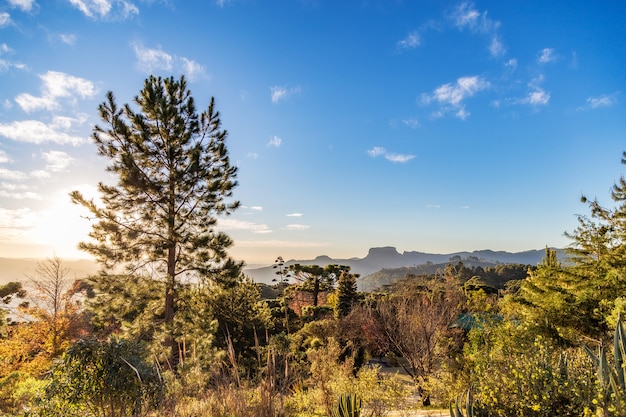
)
(314, 278)
(582, 297)
(347, 295)
(174, 179)
(53, 304)
(414, 321)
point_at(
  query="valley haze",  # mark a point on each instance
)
(20, 269)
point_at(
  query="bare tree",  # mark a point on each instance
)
(52, 287)
(413, 321)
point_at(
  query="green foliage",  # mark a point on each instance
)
(347, 295)
(348, 405)
(610, 376)
(469, 405)
(515, 372)
(315, 278)
(104, 379)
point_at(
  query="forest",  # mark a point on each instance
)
(170, 326)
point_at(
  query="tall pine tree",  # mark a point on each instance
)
(174, 179)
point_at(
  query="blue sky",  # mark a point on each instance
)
(436, 126)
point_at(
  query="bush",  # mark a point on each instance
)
(105, 379)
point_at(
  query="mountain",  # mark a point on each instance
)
(389, 257)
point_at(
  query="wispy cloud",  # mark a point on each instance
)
(466, 17)
(452, 95)
(297, 227)
(275, 142)
(282, 93)
(7, 174)
(256, 208)
(294, 215)
(106, 9)
(68, 38)
(24, 5)
(539, 97)
(56, 85)
(5, 19)
(57, 161)
(233, 224)
(433, 206)
(605, 100)
(413, 123)
(4, 158)
(411, 41)
(392, 157)
(546, 55)
(151, 60)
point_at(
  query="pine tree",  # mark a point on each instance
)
(174, 179)
(347, 295)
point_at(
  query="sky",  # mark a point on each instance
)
(432, 125)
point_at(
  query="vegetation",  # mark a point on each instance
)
(171, 327)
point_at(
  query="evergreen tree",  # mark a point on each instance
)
(315, 278)
(347, 295)
(174, 179)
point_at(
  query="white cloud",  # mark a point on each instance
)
(233, 224)
(4, 158)
(453, 95)
(546, 55)
(25, 5)
(281, 93)
(57, 161)
(40, 174)
(376, 151)
(462, 113)
(191, 68)
(465, 16)
(537, 98)
(8, 174)
(410, 42)
(56, 85)
(150, 60)
(19, 195)
(297, 227)
(34, 131)
(392, 157)
(602, 101)
(433, 206)
(511, 64)
(5, 19)
(294, 215)
(106, 9)
(252, 155)
(275, 142)
(256, 208)
(412, 123)
(68, 38)
(496, 48)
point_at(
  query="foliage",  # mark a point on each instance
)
(347, 295)
(174, 178)
(315, 278)
(414, 322)
(610, 377)
(104, 379)
(515, 372)
(348, 405)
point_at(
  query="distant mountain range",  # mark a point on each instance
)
(377, 259)
(389, 257)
